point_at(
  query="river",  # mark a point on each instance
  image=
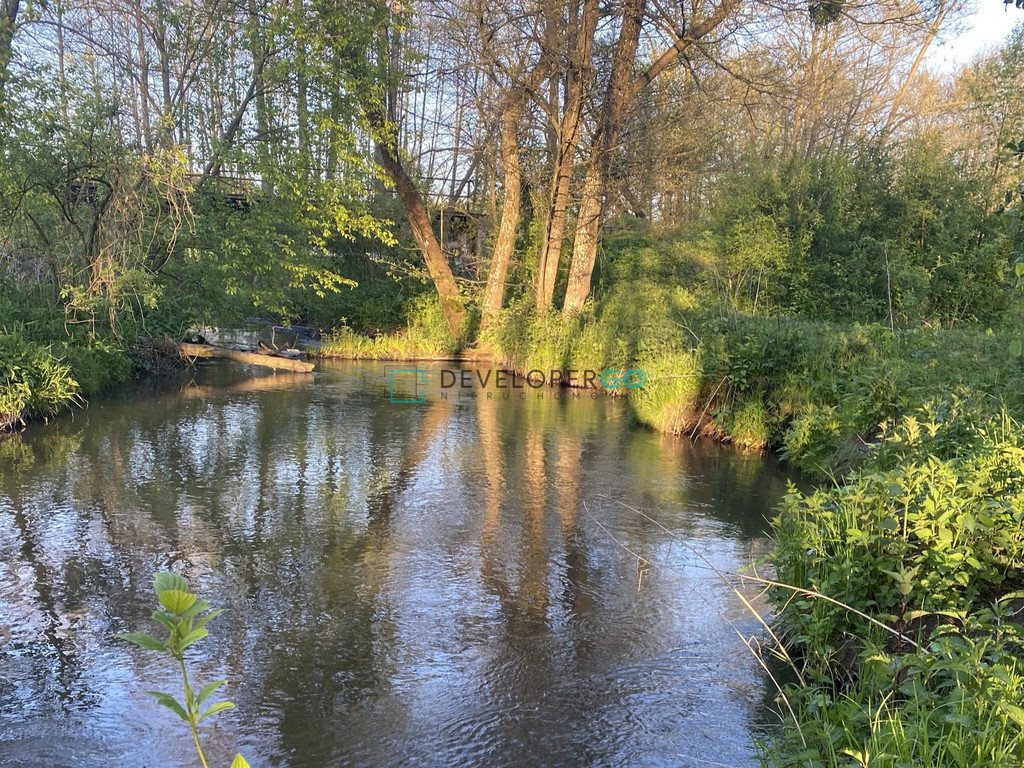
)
(470, 581)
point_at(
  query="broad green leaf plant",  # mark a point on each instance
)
(185, 617)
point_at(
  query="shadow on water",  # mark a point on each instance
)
(451, 582)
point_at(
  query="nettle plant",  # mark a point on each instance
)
(185, 617)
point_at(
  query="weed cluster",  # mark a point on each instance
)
(426, 335)
(927, 538)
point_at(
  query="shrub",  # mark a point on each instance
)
(927, 540)
(33, 381)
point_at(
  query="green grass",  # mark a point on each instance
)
(44, 367)
(426, 335)
(34, 381)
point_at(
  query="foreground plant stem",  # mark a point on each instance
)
(192, 724)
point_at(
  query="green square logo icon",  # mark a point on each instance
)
(402, 381)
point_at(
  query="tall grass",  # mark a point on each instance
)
(34, 382)
(46, 367)
(426, 335)
(927, 538)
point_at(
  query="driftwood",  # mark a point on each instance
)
(278, 362)
(294, 354)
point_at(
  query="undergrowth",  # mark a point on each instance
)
(46, 367)
(426, 335)
(927, 539)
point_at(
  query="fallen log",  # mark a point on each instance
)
(193, 351)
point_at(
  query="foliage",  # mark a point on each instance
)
(426, 335)
(954, 702)
(125, 223)
(876, 234)
(43, 368)
(33, 381)
(184, 617)
(929, 540)
(84, 213)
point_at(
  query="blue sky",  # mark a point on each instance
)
(986, 28)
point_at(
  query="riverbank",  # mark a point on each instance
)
(49, 363)
(899, 585)
(903, 577)
(823, 394)
(39, 379)
(819, 392)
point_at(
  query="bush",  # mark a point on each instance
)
(927, 540)
(33, 381)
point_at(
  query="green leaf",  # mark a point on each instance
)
(220, 706)
(1013, 711)
(915, 615)
(1016, 348)
(143, 640)
(192, 637)
(208, 690)
(166, 619)
(166, 581)
(198, 607)
(171, 703)
(176, 601)
(239, 762)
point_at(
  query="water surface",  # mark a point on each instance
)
(461, 582)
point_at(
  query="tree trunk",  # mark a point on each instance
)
(8, 23)
(505, 243)
(512, 113)
(302, 94)
(219, 146)
(334, 133)
(383, 121)
(207, 351)
(419, 220)
(62, 69)
(260, 51)
(579, 79)
(616, 103)
(160, 40)
(622, 92)
(140, 36)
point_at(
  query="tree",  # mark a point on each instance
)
(380, 106)
(8, 24)
(621, 94)
(579, 76)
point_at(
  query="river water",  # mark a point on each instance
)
(470, 581)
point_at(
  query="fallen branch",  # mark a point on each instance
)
(194, 351)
